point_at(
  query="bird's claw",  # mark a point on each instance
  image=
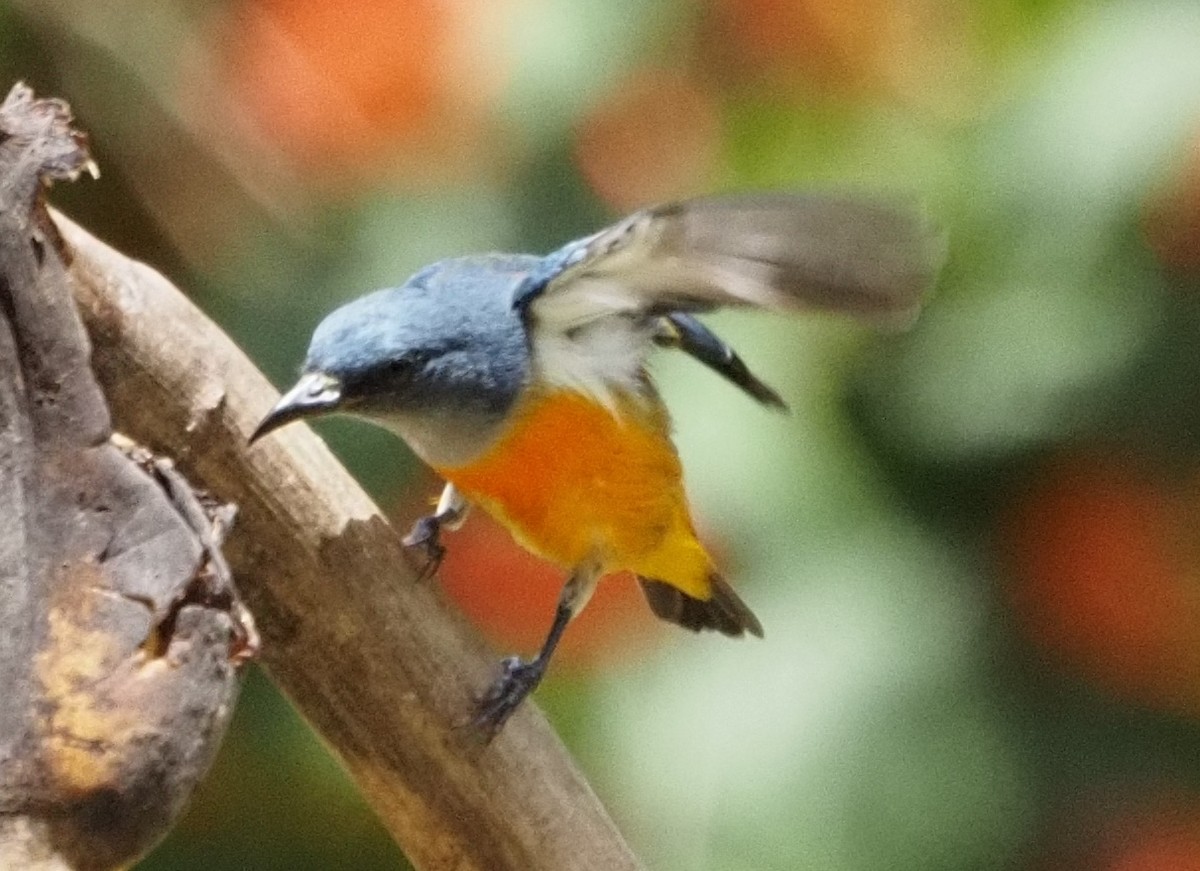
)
(425, 535)
(517, 680)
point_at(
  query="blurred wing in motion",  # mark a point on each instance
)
(858, 256)
(596, 306)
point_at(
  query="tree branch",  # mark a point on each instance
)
(376, 661)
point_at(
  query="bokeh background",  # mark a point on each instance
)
(974, 545)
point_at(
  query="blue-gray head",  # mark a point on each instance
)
(439, 360)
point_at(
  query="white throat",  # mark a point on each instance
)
(443, 438)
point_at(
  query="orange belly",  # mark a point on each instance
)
(573, 481)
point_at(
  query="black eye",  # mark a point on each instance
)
(409, 362)
(399, 367)
(386, 377)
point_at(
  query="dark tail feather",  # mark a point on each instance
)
(681, 330)
(722, 611)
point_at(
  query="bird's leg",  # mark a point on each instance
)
(518, 677)
(450, 513)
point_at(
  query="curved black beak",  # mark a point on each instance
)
(314, 394)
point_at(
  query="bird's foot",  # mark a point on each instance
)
(424, 535)
(517, 680)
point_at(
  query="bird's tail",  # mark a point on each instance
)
(723, 610)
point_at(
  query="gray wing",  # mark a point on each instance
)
(869, 258)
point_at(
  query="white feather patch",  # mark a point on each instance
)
(599, 359)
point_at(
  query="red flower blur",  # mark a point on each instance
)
(655, 137)
(1114, 830)
(1172, 219)
(1105, 578)
(353, 88)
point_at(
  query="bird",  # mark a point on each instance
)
(522, 381)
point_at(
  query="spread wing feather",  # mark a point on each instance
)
(846, 254)
(601, 297)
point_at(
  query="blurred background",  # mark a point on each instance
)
(973, 545)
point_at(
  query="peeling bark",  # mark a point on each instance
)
(120, 633)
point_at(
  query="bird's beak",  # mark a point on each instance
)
(315, 393)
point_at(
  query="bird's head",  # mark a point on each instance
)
(439, 360)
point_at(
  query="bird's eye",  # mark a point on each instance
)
(389, 377)
(406, 364)
(397, 370)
